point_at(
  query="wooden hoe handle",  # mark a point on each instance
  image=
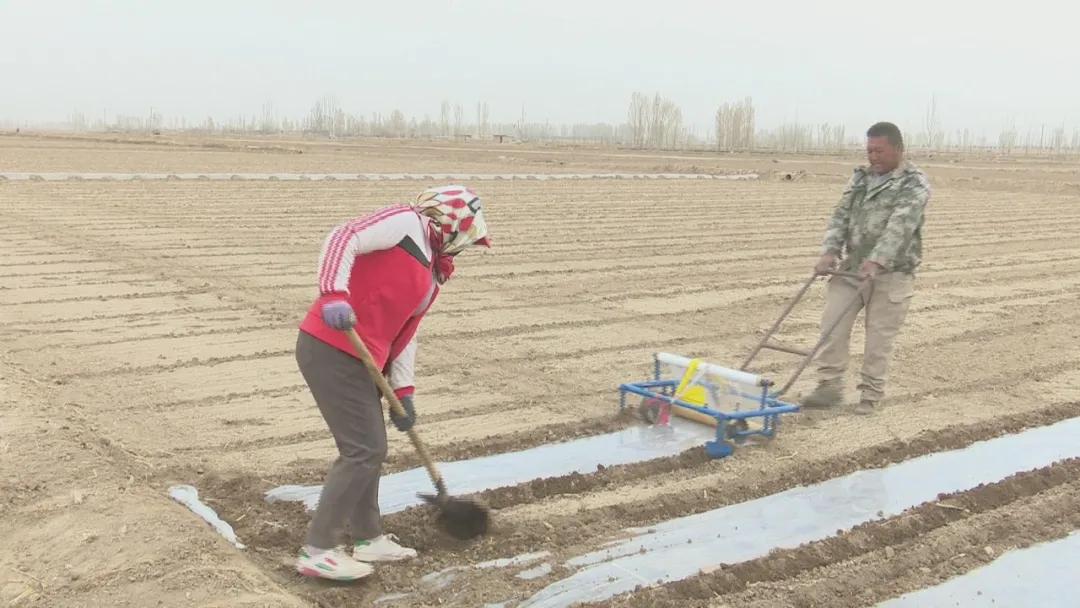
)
(395, 406)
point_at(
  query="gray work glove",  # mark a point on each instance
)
(338, 314)
(406, 423)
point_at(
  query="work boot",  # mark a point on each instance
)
(333, 564)
(866, 407)
(827, 394)
(381, 549)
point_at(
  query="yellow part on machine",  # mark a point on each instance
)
(694, 394)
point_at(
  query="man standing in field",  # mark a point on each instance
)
(876, 232)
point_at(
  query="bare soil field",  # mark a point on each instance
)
(147, 333)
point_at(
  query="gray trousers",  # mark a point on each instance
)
(350, 404)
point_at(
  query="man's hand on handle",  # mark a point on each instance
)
(869, 269)
(826, 263)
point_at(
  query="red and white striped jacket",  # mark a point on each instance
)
(382, 264)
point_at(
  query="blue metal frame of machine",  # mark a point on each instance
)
(770, 407)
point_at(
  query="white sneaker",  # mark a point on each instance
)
(333, 564)
(381, 549)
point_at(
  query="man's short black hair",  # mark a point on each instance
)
(889, 130)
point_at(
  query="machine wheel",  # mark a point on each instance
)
(734, 427)
(650, 409)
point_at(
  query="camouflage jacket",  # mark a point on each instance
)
(882, 224)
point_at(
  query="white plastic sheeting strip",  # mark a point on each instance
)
(442, 578)
(399, 490)
(680, 548)
(1035, 576)
(537, 572)
(189, 497)
(353, 177)
(519, 560)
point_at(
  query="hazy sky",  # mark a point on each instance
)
(566, 61)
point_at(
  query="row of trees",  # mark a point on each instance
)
(655, 124)
(735, 126)
(652, 122)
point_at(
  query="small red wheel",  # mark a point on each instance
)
(650, 409)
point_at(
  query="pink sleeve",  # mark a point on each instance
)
(380, 230)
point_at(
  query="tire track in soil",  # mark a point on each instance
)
(955, 210)
(112, 298)
(311, 471)
(966, 220)
(32, 271)
(596, 424)
(170, 367)
(50, 326)
(161, 334)
(787, 248)
(600, 249)
(678, 263)
(618, 248)
(115, 203)
(621, 294)
(275, 530)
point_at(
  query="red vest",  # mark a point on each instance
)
(385, 288)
